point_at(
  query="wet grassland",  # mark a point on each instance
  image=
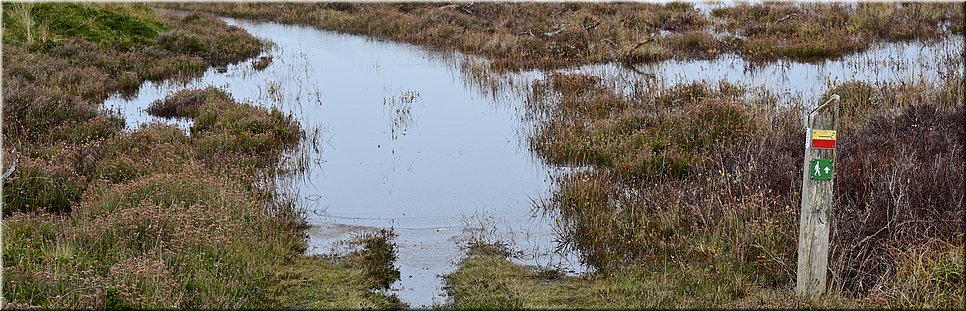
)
(554, 35)
(96, 216)
(688, 194)
(683, 195)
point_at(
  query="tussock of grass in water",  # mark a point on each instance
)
(345, 281)
(223, 130)
(261, 63)
(100, 218)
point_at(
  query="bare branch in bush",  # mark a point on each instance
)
(13, 166)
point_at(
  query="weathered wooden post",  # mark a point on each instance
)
(817, 180)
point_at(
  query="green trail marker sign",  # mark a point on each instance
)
(821, 169)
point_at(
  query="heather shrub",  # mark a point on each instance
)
(900, 183)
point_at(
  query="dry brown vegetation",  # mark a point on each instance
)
(815, 31)
(513, 36)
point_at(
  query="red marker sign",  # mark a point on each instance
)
(823, 139)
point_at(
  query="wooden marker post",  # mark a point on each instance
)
(817, 179)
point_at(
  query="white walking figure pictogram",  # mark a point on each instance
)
(818, 171)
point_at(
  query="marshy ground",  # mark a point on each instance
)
(554, 35)
(685, 194)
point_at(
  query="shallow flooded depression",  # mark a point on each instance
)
(401, 137)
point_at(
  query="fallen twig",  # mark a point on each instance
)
(640, 43)
(555, 31)
(785, 18)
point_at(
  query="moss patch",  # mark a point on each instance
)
(118, 27)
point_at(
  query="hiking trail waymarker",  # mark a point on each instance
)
(818, 176)
(823, 139)
(820, 170)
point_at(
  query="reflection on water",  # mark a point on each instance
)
(435, 146)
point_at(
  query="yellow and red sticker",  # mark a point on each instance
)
(823, 139)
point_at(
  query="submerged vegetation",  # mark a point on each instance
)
(99, 217)
(554, 35)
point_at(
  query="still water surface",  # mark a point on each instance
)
(408, 141)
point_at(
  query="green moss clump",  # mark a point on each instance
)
(119, 27)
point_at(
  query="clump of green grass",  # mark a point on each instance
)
(41, 186)
(154, 149)
(344, 281)
(261, 63)
(179, 241)
(185, 103)
(378, 257)
(928, 276)
(696, 45)
(160, 227)
(118, 27)
(218, 46)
